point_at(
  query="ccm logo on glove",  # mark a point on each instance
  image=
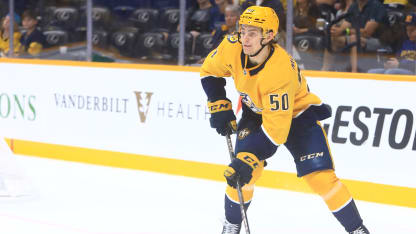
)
(222, 116)
(220, 105)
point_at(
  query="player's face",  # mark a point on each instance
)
(250, 39)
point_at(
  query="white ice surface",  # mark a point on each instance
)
(81, 198)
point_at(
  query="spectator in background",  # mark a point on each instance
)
(306, 13)
(327, 9)
(365, 14)
(232, 14)
(32, 39)
(395, 4)
(405, 60)
(5, 35)
(342, 7)
(395, 32)
(201, 17)
(220, 4)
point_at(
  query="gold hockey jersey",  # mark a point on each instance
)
(4, 43)
(276, 89)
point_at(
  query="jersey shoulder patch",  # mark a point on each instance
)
(232, 38)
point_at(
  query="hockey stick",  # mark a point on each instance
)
(240, 193)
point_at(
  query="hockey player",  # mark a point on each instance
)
(278, 108)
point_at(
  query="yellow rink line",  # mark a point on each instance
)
(366, 191)
(159, 67)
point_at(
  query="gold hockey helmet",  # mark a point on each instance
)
(262, 17)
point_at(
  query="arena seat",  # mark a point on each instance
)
(199, 21)
(169, 19)
(395, 17)
(122, 12)
(55, 37)
(100, 38)
(145, 19)
(308, 42)
(150, 44)
(173, 44)
(63, 17)
(101, 17)
(125, 39)
(310, 48)
(203, 44)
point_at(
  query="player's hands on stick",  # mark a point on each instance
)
(241, 169)
(222, 117)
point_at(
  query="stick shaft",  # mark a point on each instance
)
(239, 191)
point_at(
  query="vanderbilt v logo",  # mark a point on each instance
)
(143, 105)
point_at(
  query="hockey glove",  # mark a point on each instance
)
(222, 117)
(241, 169)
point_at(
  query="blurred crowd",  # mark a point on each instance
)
(372, 36)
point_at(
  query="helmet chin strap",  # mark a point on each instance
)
(262, 47)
